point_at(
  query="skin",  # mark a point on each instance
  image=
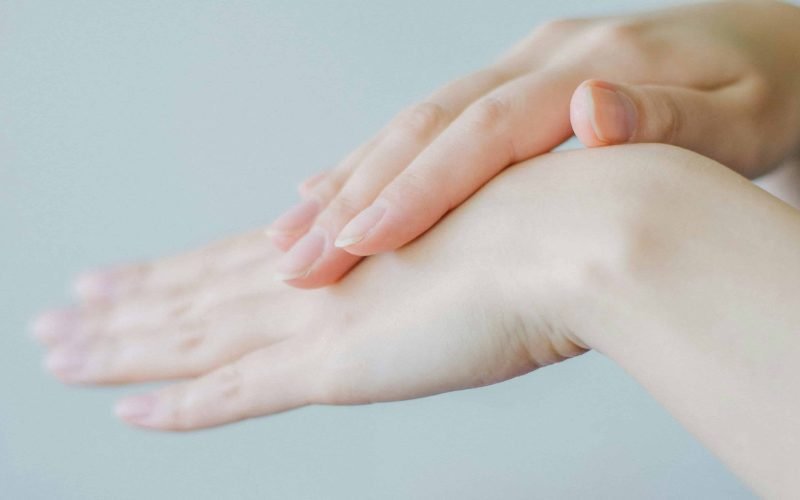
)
(613, 80)
(679, 269)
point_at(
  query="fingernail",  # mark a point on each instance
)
(613, 114)
(357, 229)
(299, 260)
(295, 219)
(55, 325)
(67, 362)
(135, 408)
(95, 285)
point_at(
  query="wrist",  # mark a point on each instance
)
(589, 222)
(627, 241)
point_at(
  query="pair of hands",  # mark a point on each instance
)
(452, 310)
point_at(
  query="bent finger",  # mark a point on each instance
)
(721, 123)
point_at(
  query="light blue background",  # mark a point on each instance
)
(131, 129)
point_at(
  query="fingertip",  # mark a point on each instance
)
(360, 226)
(397, 220)
(366, 247)
(332, 266)
(580, 115)
(96, 286)
(605, 114)
(68, 364)
(373, 231)
(55, 325)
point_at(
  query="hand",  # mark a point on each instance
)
(637, 251)
(489, 295)
(721, 79)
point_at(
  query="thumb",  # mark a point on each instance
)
(717, 123)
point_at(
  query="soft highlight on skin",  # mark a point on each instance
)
(644, 80)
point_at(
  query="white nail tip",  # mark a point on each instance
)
(291, 276)
(346, 242)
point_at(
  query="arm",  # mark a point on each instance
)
(704, 311)
(671, 264)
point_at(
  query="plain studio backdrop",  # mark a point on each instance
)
(132, 129)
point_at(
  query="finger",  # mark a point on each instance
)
(270, 380)
(397, 149)
(719, 123)
(177, 348)
(54, 326)
(295, 222)
(154, 311)
(314, 261)
(453, 97)
(172, 273)
(523, 118)
(307, 185)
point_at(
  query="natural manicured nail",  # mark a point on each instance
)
(55, 325)
(357, 229)
(294, 220)
(299, 260)
(135, 409)
(95, 285)
(613, 114)
(66, 363)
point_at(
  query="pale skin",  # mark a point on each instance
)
(668, 262)
(720, 79)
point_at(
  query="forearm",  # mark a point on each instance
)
(704, 313)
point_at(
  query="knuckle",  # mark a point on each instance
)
(617, 36)
(488, 113)
(229, 381)
(343, 206)
(760, 94)
(189, 343)
(420, 120)
(182, 310)
(343, 168)
(307, 184)
(188, 404)
(494, 75)
(415, 189)
(553, 31)
(557, 27)
(674, 120)
(327, 188)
